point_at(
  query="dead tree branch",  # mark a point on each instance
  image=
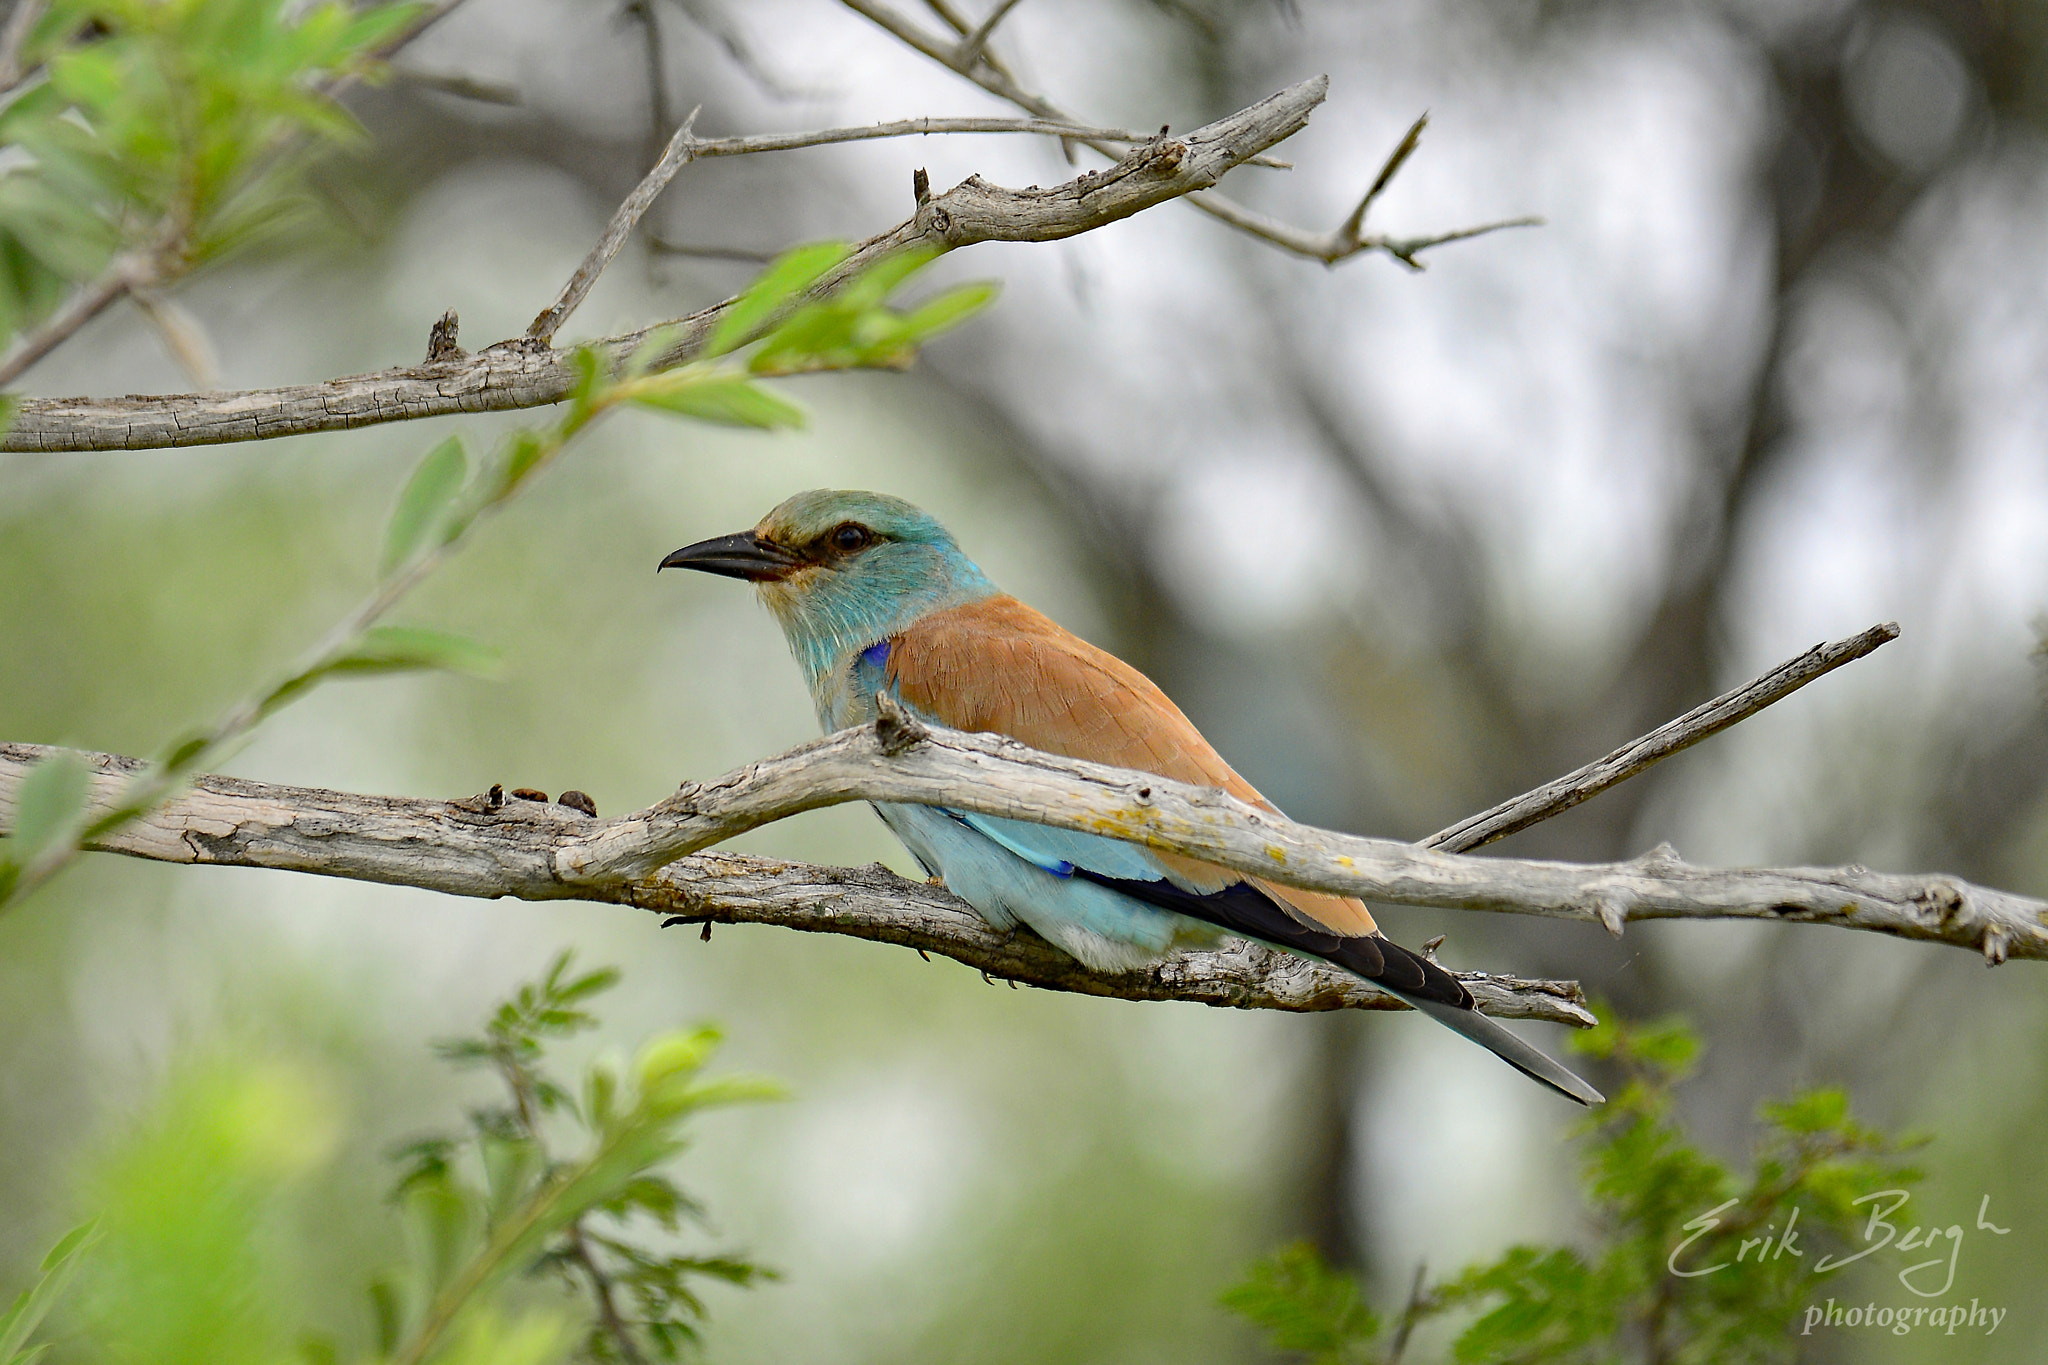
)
(972, 60)
(1710, 718)
(485, 848)
(900, 759)
(516, 374)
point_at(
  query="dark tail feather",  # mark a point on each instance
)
(1470, 1023)
(1244, 909)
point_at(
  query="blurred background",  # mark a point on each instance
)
(1403, 545)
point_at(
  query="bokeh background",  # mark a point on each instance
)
(1776, 368)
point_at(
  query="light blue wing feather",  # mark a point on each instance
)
(1104, 928)
(1060, 851)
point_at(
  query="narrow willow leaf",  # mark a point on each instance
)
(787, 276)
(52, 799)
(423, 508)
(652, 347)
(882, 279)
(400, 649)
(948, 310)
(26, 1315)
(727, 399)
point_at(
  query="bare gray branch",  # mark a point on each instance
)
(1709, 718)
(514, 374)
(473, 847)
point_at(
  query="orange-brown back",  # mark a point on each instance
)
(1000, 667)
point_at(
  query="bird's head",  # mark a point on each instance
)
(840, 570)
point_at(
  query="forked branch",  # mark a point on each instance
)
(524, 374)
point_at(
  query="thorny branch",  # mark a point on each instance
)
(517, 374)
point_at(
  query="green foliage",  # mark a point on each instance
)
(727, 399)
(582, 1218)
(57, 1270)
(448, 493)
(194, 1251)
(48, 811)
(425, 511)
(197, 1260)
(1305, 1307)
(1659, 1205)
(853, 328)
(162, 127)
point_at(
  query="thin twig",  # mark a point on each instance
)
(461, 86)
(728, 34)
(1709, 718)
(392, 46)
(658, 116)
(974, 46)
(21, 21)
(684, 148)
(602, 1289)
(1406, 148)
(708, 253)
(1410, 1315)
(514, 375)
(182, 335)
(128, 271)
(627, 217)
(1327, 247)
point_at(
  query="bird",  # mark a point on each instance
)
(874, 595)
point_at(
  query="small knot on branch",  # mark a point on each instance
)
(1612, 913)
(441, 344)
(1996, 944)
(1661, 861)
(921, 187)
(1939, 903)
(896, 730)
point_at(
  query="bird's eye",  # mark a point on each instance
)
(850, 537)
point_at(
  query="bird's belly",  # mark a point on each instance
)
(1103, 928)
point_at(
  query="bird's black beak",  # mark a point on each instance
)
(745, 555)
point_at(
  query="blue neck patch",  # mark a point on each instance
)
(877, 654)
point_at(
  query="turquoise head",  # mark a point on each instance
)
(843, 570)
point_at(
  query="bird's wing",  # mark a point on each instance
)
(997, 666)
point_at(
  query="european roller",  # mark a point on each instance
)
(875, 595)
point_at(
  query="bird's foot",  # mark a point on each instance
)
(494, 799)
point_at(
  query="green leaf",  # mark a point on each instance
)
(730, 400)
(1817, 1111)
(1304, 1306)
(874, 284)
(789, 275)
(948, 310)
(51, 800)
(424, 512)
(525, 452)
(400, 649)
(651, 348)
(58, 1268)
